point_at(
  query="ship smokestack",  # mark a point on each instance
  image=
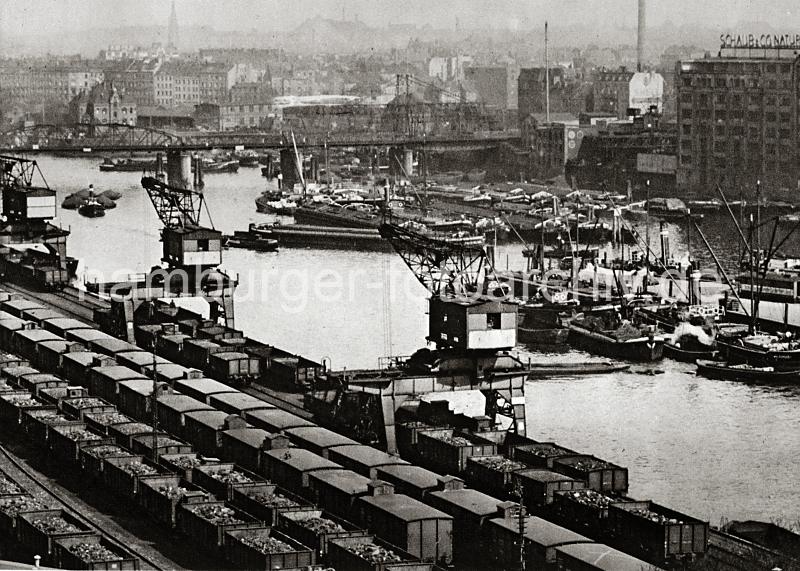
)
(640, 36)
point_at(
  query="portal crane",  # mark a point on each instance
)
(192, 254)
(33, 248)
(472, 326)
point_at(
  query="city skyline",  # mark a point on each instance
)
(37, 17)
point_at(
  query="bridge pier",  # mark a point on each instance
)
(408, 161)
(288, 168)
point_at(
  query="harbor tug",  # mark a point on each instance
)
(473, 328)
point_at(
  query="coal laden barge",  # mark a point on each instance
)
(329, 470)
(33, 251)
(336, 237)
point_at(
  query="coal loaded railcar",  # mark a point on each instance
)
(302, 473)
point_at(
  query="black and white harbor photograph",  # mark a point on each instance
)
(400, 285)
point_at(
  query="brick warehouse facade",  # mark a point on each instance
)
(738, 123)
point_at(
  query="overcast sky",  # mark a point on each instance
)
(69, 16)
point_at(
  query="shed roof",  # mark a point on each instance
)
(67, 323)
(38, 335)
(240, 400)
(82, 357)
(275, 419)
(41, 314)
(22, 304)
(301, 459)
(117, 373)
(251, 436)
(604, 557)
(344, 480)
(113, 345)
(367, 455)
(405, 508)
(318, 436)
(182, 403)
(57, 345)
(541, 532)
(415, 476)
(203, 387)
(168, 370)
(89, 334)
(469, 500)
(209, 417)
(139, 357)
(141, 386)
(16, 372)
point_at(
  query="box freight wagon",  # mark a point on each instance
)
(417, 528)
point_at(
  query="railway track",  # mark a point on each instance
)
(29, 479)
(277, 399)
(63, 301)
(80, 305)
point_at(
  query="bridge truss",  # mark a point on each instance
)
(87, 136)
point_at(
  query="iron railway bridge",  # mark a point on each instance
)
(86, 139)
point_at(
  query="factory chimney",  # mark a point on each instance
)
(640, 36)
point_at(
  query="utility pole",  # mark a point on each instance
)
(154, 403)
(521, 525)
(647, 230)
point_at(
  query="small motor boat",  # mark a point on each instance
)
(91, 208)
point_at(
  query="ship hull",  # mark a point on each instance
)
(643, 349)
(719, 370)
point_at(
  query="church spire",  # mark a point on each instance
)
(172, 31)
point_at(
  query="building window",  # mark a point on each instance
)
(771, 116)
(492, 321)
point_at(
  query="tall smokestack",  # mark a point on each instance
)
(640, 36)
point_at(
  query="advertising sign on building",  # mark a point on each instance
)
(646, 89)
(658, 164)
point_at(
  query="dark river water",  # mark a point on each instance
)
(713, 449)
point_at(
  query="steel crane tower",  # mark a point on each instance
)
(192, 254)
